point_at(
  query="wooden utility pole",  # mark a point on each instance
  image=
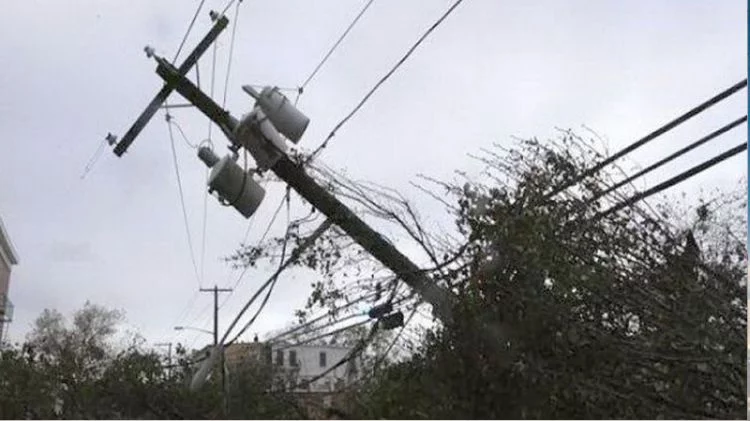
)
(169, 354)
(441, 299)
(216, 290)
(293, 174)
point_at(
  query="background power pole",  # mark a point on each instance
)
(169, 354)
(216, 290)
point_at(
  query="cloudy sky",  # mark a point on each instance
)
(73, 71)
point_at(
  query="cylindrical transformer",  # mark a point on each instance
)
(236, 186)
(285, 117)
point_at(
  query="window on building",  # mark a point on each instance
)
(323, 361)
(279, 357)
(293, 358)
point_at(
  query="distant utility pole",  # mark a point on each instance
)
(216, 290)
(169, 354)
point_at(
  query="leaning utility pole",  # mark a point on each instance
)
(256, 132)
(295, 176)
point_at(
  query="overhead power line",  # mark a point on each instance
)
(384, 79)
(317, 319)
(674, 180)
(333, 322)
(109, 139)
(224, 12)
(673, 156)
(325, 335)
(231, 53)
(182, 201)
(335, 45)
(260, 241)
(651, 136)
(190, 144)
(93, 159)
(190, 28)
(294, 256)
(277, 338)
(213, 84)
(205, 224)
(282, 264)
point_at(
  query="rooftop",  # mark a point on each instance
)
(6, 245)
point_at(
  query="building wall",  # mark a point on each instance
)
(308, 364)
(4, 274)
(239, 354)
(8, 258)
(4, 284)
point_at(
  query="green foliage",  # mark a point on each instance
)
(75, 372)
(624, 317)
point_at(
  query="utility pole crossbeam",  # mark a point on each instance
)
(160, 97)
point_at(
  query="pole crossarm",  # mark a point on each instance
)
(162, 95)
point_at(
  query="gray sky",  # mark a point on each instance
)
(73, 71)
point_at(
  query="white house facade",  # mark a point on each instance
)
(305, 362)
(8, 259)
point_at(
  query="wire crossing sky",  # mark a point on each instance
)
(491, 71)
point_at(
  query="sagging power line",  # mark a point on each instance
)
(651, 136)
(671, 157)
(383, 80)
(673, 181)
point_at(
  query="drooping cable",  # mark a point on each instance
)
(231, 53)
(651, 136)
(325, 335)
(260, 241)
(335, 46)
(383, 80)
(205, 224)
(183, 313)
(674, 180)
(187, 141)
(224, 12)
(278, 337)
(292, 258)
(212, 84)
(182, 200)
(275, 279)
(94, 158)
(190, 28)
(673, 156)
(309, 323)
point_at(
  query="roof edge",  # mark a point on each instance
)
(6, 244)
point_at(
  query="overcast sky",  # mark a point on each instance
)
(73, 71)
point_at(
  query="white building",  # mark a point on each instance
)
(8, 258)
(305, 362)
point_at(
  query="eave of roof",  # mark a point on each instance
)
(6, 245)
